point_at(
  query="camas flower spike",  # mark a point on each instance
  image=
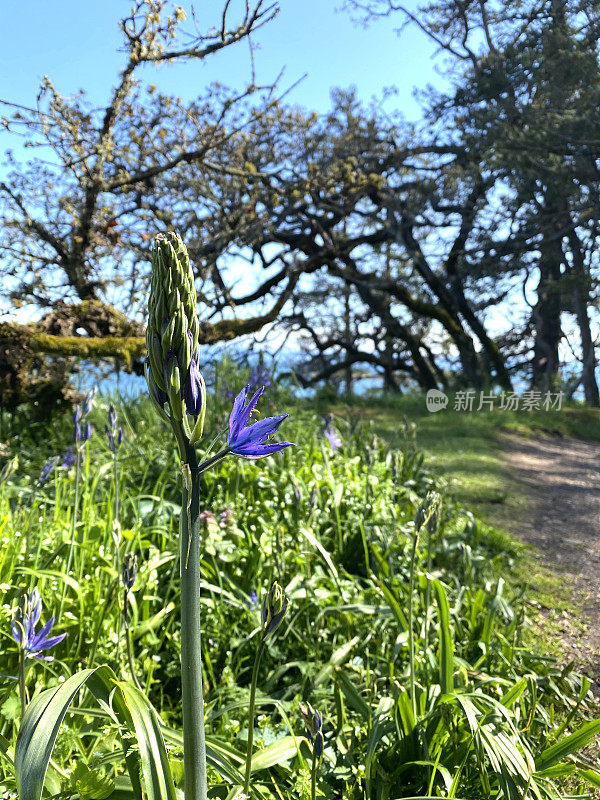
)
(23, 628)
(172, 368)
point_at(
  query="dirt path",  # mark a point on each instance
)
(562, 478)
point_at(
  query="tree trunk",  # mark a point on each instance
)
(581, 301)
(546, 318)
(348, 339)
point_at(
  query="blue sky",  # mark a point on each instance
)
(75, 43)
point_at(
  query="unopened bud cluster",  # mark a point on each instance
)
(428, 512)
(129, 571)
(274, 609)
(82, 434)
(172, 368)
(313, 721)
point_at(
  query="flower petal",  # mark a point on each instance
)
(238, 405)
(17, 632)
(253, 450)
(34, 639)
(51, 642)
(258, 431)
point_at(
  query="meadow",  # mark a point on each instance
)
(403, 629)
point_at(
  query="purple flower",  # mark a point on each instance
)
(89, 401)
(111, 429)
(68, 458)
(259, 375)
(87, 432)
(48, 469)
(226, 517)
(112, 417)
(193, 390)
(23, 628)
(252, 601)
(250, 441)
(206, 517)
(333, 439)
(77, 425)
(313, 721)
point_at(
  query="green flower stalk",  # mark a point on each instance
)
(274, 609)
(128, 576)
(178, 391)
(314, 722)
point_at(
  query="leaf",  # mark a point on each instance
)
(513, 694)
(276, 753)
(351, 694)
(591, 776)
(91, 785)
(46, 712)
(446, 656)
(567, 746)
(318, 546)
(11, 707)
(381, 728)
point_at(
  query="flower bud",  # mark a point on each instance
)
(129, 570)
(313, 721)
(172, 366)
(274, 609)
(112, 417)
(428, 512)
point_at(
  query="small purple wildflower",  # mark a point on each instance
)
(87, 432)
(48, 469)
(225, 517)
(206, 517)
(23, 628)
(252, 601)
(226, 391)
(68, 458)
(111, 430)
(333, 439)
(250, 442)
(88, 402)
(258, 376)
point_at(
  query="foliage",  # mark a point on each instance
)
(490, 718)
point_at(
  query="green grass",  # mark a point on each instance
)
(467, 450)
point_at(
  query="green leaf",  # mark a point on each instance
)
(351, 694)
(46, 712)
(276, 753)
(318, 546)
(591, 776)
(446, 655)
(11, 707)
(509, 697)
(91, 785)
(567, 746)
